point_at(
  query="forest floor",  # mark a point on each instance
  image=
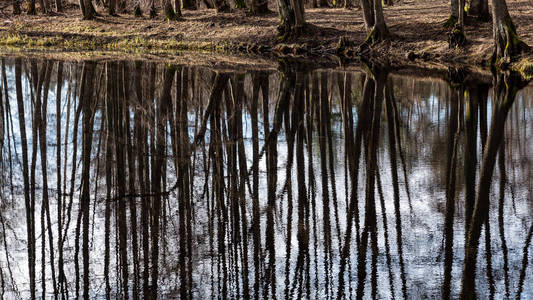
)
(416, 27)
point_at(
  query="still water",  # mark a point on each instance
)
(132, 179)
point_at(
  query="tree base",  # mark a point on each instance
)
(153, 13)
(450, 22)
(456, 38)
(171, 15)
(507, 45)
(377, 34)
(137, 12)
(286, 33)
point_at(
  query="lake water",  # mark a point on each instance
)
(136, 179)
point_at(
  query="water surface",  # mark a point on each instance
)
(135, 179)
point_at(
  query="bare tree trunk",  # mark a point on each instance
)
(506, 42)
(479, 8)
(222, 6)
(292, 17)
(190, 4)
(368, 14)
(87, 9)
(31, 8)
(111, 8)
(16, 7)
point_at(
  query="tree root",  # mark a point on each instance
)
(376, 35)
(456, 37)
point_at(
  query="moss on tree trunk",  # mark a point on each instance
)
(507, 44)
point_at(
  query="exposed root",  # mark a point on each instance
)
(286, 33)
(377, 34)
(507, 45)
(456, 37)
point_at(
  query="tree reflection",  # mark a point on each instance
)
(189, 182)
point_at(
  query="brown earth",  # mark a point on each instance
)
(415, 27)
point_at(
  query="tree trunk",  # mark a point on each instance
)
(111, 9)
(380, 28)
(87, 9)
(189, 4)
(479, 8)
(291, 13)
(222, 6)
(16, 7)
(168, 10)
(177, 8)
(31, 8)
(506, 42)
(368, 14)
(43, 6)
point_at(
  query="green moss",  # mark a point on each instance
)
(450, 22)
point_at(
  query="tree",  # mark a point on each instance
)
(87, 9)
(240, 4)
(170, 13)
(31, 8)
(112, 7)
(189, 4)
(374, 22)
(479, 8)
(292, 18)
(222, 6)
(506, 42)
(16, 7)
(259, 7)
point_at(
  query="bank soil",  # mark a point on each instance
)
(416, 27)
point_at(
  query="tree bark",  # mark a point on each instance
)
(87, 9)
(190, 4)
(292, 17)
(506, 42)
(222, 6)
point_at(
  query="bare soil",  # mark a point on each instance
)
(415, 27)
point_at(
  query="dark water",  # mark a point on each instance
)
(188, 182)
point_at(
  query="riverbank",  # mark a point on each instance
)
(417, 33)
